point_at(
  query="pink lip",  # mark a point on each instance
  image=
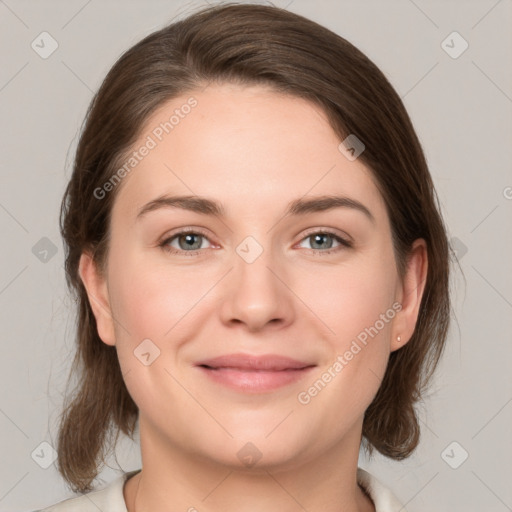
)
(254, 374)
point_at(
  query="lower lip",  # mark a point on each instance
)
(254, 381)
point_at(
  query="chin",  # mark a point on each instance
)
(256, 446)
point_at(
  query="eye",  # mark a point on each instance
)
(323, 242)
(185, 241)
(190, 242)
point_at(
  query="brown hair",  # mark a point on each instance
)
(249, 44)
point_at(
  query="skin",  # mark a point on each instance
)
(254, 151)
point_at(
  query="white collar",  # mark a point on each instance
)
(111, 497)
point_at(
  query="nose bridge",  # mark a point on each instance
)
(253, 262)
(254, 259)
(256, 296)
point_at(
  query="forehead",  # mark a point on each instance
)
(250, 147)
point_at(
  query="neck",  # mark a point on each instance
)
(191, 482)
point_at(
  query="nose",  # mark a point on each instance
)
(257, 295)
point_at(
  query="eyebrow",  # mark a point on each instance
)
(299, 206)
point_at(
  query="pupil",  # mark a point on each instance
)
(319, 238)
(189, 241)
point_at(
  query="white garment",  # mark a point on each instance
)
(111, 498)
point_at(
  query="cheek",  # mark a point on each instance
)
(152, 305)
(355, 301)
(355, 363)
(150, 297)
(351, 297)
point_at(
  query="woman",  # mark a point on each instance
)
(261, 271)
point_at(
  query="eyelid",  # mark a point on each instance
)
(330, 231)
(166, 239)
(185, 230)
(345, 240)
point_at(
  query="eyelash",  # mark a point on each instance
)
(165, 243)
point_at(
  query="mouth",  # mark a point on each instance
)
(254, 374)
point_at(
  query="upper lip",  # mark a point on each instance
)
(268, 362)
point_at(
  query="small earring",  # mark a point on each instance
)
(398, 339)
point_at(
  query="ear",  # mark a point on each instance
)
(97, 292)
(410, 293)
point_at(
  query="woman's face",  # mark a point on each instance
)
(288, 255)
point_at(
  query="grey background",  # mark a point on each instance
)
(462, 110)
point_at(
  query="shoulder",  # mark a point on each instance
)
(109, 498)
(383, 499)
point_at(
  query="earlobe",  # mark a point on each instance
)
(97, 293)
(411, 293)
